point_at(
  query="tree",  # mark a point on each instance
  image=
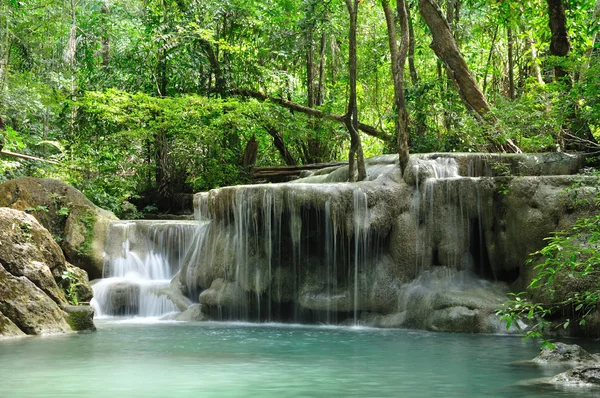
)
(398, 62)
(351, 117)
(445, 47)
(560, 45)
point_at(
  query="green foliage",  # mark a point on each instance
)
(38, 208)
(70, 283)
(88, 219)
(148, 105)
(63, 211)
(25, 229)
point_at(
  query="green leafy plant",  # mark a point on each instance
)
(567, 285)
(63, 211)
(39, 208)
(72, 282)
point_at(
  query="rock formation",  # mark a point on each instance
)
(32, 265)
(75, 223)
(436, 248)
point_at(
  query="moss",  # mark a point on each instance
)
(88, 219)
(81, 320)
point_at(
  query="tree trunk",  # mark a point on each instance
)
(287, 157)
(593, 51)
(445, 47)
(310, 86)
(414, 77)
(161, 67)
(489, 60)
(535, 67)
(560, 44)
(321, 86)
(250, 153)
(105, 47)
(351, 117)
(511, 64)
(399, 55)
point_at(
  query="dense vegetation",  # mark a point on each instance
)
(148, 98)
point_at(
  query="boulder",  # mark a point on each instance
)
(116, 297)
(192, 314)
(581, 376)
(222, 293)
(74, 222)
(28, 307)
(80, 317)
(8, 328)
(32, 287)
(565, 354)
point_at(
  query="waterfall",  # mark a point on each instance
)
(419, 249)
(141, 259)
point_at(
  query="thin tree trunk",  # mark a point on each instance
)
(511, 64)
(105, 47)
(161, 67)
(310, 69)
(489, 60)
(535, 67)
(287, 157)
(321, 86)
(414, 77)
(70, 58)
(593, 51)
(399, 55)
(351, 117)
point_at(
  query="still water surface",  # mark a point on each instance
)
(142, 359)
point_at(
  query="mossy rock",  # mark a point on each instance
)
(80, 318)
(76, 224)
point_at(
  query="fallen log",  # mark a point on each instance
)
(27, 157)
(278, 173)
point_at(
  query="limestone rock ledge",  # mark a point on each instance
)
(31, 269)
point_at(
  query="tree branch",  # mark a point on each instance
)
(365, 128)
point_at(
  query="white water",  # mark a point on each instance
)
(141, 260)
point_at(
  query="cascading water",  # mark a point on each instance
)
(141, 259)
(268, 254)
(425, 249)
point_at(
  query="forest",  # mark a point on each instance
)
(135, 101)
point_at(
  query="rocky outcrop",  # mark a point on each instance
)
(565, 354)
(31, 271)
(581, 376)
(75, 223)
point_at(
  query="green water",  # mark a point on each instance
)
(124, 359)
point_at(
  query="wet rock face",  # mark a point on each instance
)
(31, 269)
(75, 222)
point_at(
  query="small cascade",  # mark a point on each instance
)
(141, 260)
(285, 252)
(361, 244)
(437, 184)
